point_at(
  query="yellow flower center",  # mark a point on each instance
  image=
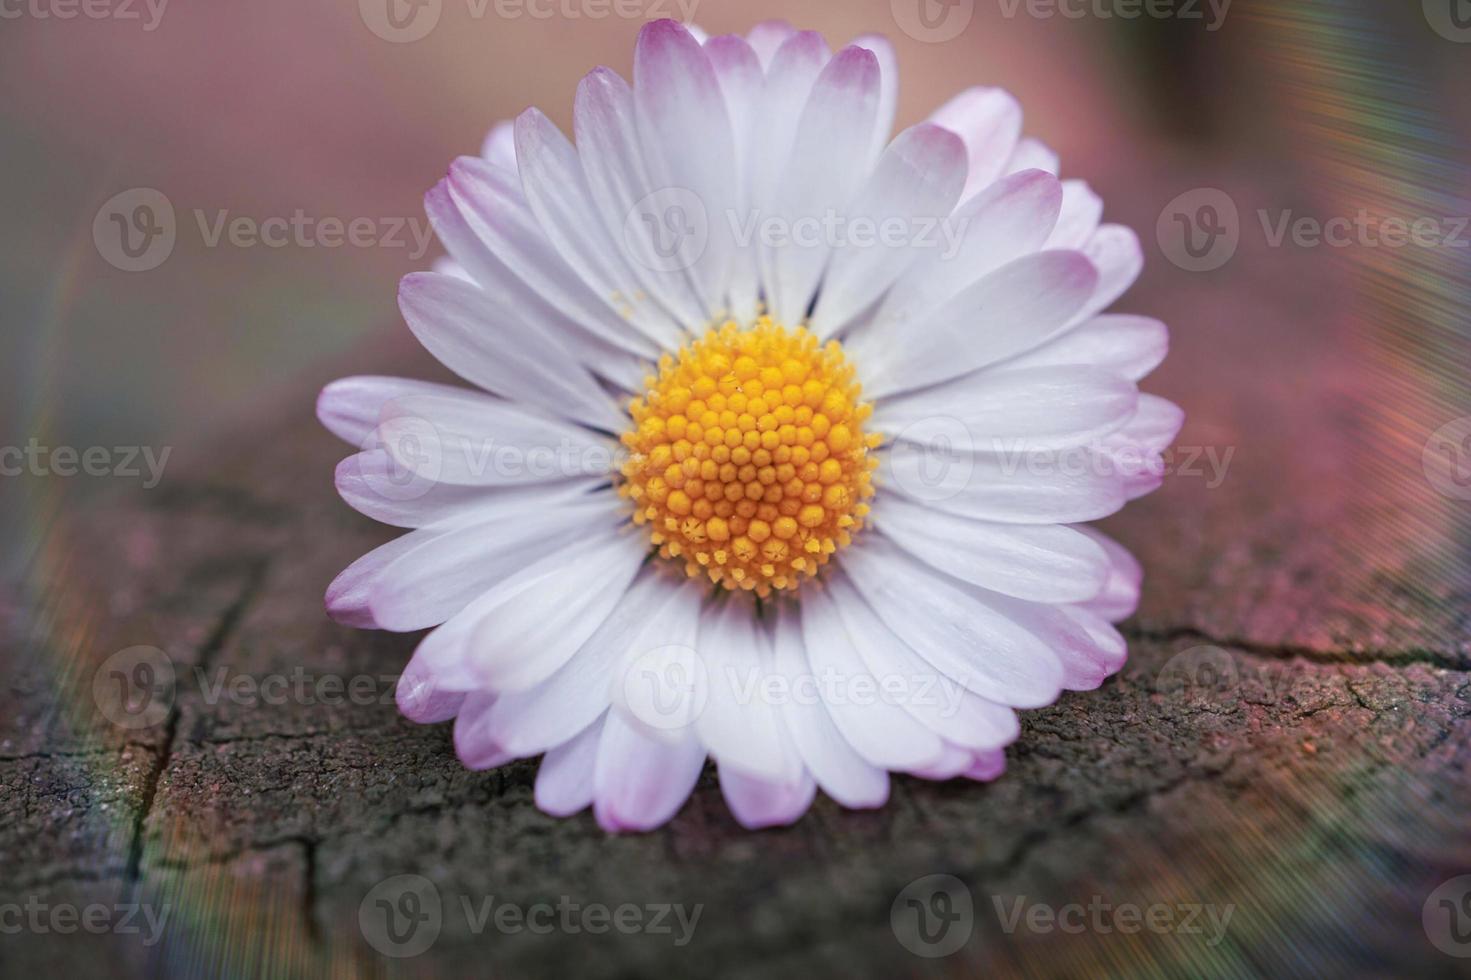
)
(747, 456)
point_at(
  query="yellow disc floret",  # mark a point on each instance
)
(747, 456)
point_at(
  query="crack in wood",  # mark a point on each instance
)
(223, 631)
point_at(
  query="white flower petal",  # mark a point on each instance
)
(941, 703)
(687, 140)
(954, 762)
(792, 72)
(493, 207)
(446, 266)
(1012, 310)
(951, 627)
(1078, 217)
(1088, 648)
(474, 751)
(1129, 346)
(884, 735)
(434, 581)
(475, 440)
(839, 770)
(987, 766)
(1041, 562)
(348, 595)
(883, 50)
(1107, 652)
(477, 334)
(739, 727)
(650, 614)
(1135, 450)
(641, 781)
(1155, 424)
(524, 629)
(351, 408)
(616, 354)
(1033, 154)
(1120, 595)
(767, 37)
(606, 126)
(741, 81)
(1046, 488)
(564, 782)
(990, 122)
(1114, 250)
(372, 483)
(558, 193)
(355, 596)
(759, 803)
(1009, 220)
(421, 700)
(499, 147)
(830, 160)
(1021, 408)
(916, 183)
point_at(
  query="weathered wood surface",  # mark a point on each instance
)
(1311, 776)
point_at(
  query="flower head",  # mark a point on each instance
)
(781, 443)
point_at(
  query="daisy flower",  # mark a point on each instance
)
(782, 437)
